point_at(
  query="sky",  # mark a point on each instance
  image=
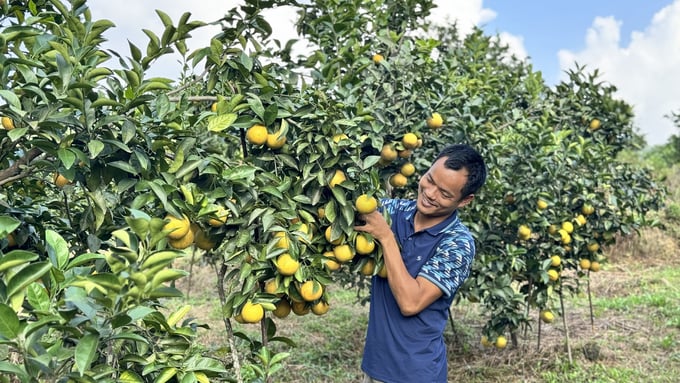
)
(634, 44)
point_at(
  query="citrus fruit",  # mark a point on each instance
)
(311, 290)
(363, 244)
(339, 137)
(343, 253)
(286, 265)
(587, 209)
(388, 153)
(282, 309)
(555, 261)
(435, 121)
(501, 342)
(595, 266)
(568, 227)
(593, 247)
(7, 123)
(377, 58)
(330, 261)
(275, 140)
(271, 286)
(366, 204)
(320, 308)
(584, 264)
(368, 268)
(300, 308)
(553, 275)
(182, 242)
(398, 180)
(177, 227)
(257, 135)
(594, 124)
(541, 204)
(252, 312)
(524, 232)
(202, 240)
(336, 241)
(410, 141)
(282, 240)
(547, 316)
(60, 180)
(219, 217)
(382, 272)
(337, 179)
(581, 220)
(407, 169)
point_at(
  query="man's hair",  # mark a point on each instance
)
(462, 156)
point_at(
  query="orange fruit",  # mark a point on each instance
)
(252, 312)
(336, 241)
(594, 124)
(300, 308)
(311, 290)
(435, 121)
(257, 135)
(388, 153)
(282, 309)
(330, 262)
(398, 180)
(338, 178)
(320, 308)
(364, 244)
(553, 275)
(377, 58)
(7, 123)
(275, 140)
(366, 204)
(282, 240)
(368, 268)
(407, 169)
(286, 265)
(60, 180)
(584, 263)
(410, 141)
(343, 253)
(177, 227)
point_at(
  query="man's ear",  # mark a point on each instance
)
(463, 202)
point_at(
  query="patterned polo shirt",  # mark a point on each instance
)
(411, 349)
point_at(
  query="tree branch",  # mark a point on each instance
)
(19, 169)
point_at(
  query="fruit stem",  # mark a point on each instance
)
(566, 327)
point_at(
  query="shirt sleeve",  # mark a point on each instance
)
(451, 263)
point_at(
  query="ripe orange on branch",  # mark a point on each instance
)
(257, 135)
(435, 121)
(311, 290)
(366, 204)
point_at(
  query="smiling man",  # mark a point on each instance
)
(428, 253)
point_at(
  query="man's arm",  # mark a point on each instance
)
(412, 294)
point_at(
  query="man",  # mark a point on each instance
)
(428, 253)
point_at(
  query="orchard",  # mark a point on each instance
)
(259, 163)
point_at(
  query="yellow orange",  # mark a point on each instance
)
(320, 308)
(410, 141)
(275, 140)
(398, 180)
(338, 178)
(343, 253)
(366, 204)
(7, 123)
(252, 312)
(177, 227)
(311, 290)
(407, 169)
(363, 244)
(257, 135)
(388, 153)
(378, 58)
(286, 265)
(60, 180)
(282, 309)
(435, 121)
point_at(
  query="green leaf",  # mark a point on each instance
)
(66, 157)
(16, 258)
(57, 248)
(65, 71)
(95, 147)
(11, 98)
(220, 122)
(86, 349)
(10, 326)
(129, 376)
(26, 276)
(37, 297)
(8, 224)
(17, 133)
(256, 105)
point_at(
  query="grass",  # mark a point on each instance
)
(635, 331)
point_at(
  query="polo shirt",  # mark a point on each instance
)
(412, 349)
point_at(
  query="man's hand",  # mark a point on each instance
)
(376, 225)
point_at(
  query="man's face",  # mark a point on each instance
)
(439, 190)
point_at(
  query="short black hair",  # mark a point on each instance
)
(463, 156)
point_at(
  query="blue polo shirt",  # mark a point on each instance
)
(411, 349)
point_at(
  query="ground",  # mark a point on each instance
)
(632, 336)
